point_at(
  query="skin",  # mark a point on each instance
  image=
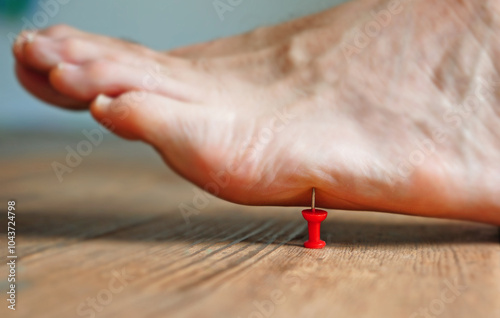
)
(405, 123)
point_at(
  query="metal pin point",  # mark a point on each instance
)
(313, 199)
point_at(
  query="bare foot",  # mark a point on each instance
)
(380, 105)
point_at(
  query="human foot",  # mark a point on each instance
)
(383, 127)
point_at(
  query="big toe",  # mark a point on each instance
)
(152, 118)
(191, 138)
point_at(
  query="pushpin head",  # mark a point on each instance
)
(314, 217)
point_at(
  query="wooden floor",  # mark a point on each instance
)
(110, 241)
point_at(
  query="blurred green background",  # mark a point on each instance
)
(14, 8)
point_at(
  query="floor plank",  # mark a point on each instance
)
(112, 233)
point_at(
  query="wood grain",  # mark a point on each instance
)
(112, 231)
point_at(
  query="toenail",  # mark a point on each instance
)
(66, 66)
(26, 36)
(23, 37)
(102, 101)
(30, 36)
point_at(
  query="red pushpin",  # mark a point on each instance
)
(314, 218)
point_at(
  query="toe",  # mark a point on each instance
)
(39, 86)
(141, 115)
(22, 40)
(44, 53)
(54, 33)
(61, 31)
(177, 130)
(85, 82)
